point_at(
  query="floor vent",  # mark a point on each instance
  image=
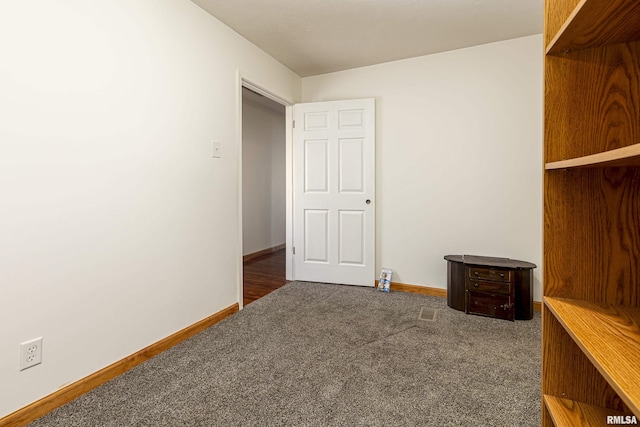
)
(427, 314)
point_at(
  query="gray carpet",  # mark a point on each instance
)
(325, 355)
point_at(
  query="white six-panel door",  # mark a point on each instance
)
(334, 189)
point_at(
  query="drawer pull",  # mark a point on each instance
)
(476, 273)
(476, 285)
(501, 274)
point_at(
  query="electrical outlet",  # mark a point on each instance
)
(30, 353)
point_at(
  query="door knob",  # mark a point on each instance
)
(368, 201)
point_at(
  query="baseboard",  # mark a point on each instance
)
(415, 289)
(254, 255)
(436, 292)
(63, 396)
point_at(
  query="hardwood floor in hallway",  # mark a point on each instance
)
(263, 275)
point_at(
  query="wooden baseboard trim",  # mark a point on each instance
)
(255, 255)
(415, 289)
(63, 396)
(436, 292)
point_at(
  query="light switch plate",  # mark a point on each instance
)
(216, 149)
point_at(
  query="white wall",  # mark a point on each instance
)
(117, 227)
(263, 174)
(459, 155)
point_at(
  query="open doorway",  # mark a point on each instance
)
(263, 195)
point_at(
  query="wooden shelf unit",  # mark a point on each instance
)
(594, 23)
(621, 157)
(591, 310)
(569, 413)
(609, 336)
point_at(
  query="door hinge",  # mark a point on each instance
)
(294, 124)
(294, 250)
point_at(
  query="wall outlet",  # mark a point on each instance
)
(30, 353)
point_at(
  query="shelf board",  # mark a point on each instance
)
(609, 335)
(598, 23)
(570, 413)
(625, 156)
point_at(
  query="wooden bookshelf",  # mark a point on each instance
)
(609, 335)
(591, 268)
(597, 23)
(621, 157)
(569, 413)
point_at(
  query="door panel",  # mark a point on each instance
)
(351, 237)
(316, 120)
(334, 189)
(351, 165)
(316, 230)
(316, 166)
(351, 119)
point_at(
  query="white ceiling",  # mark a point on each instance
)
(320, 36)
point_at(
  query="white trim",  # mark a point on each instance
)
(257, 86)
(239, 261)
(289, 273)
(245, 80)
(268, 94)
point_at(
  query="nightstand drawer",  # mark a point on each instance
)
(491, 287)
(490, 305)
(490, 274)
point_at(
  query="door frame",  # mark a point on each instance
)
(244, 79)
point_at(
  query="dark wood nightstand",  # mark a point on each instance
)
(489, 286)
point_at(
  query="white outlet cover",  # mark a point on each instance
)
(30, 353)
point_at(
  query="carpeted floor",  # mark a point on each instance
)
(312, 354)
